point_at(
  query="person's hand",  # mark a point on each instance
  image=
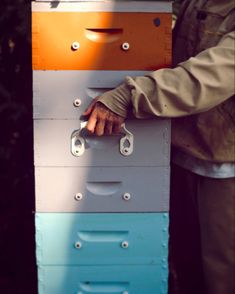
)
(102, 120)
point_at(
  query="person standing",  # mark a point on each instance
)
(197, 93)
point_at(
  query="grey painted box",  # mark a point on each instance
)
(57, 141)
(97, 189)
(66, 94)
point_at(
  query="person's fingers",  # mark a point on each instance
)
(99, 129)
(91, 124)
(90, 108)
(108, 128)
(96, 121)
(102, 120)
(117, 126)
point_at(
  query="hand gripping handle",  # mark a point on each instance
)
(78, 142)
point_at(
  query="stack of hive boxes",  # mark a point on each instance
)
(101, 203)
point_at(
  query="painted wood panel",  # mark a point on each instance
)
(101, 238)
(129, 279)
(102, 189)
(65, 94)
(56, 140)
(100, 40)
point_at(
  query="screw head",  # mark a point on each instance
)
(126, 196)
(78, 196)
(125, 46)
(75, 45)
(157, 22)
(78, 245)
(125, 244)
(125, 150)
(77, 102)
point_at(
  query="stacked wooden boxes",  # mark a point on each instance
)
(101, 202)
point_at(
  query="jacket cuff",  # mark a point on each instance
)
(117, 100)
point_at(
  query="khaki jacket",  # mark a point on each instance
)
(198, 91)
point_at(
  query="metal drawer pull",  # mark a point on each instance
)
(125, 244)
(78, 142)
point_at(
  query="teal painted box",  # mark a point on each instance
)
(101, 238)
(127, 279)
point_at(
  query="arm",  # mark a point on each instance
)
(196, 85)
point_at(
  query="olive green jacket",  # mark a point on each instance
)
(197, 93)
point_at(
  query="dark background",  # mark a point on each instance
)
(17, 244)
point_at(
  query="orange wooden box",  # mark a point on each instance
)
(101, 40)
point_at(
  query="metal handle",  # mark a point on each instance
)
(126, 142)
(78, 142)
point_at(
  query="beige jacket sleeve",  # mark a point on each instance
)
(194, 86)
